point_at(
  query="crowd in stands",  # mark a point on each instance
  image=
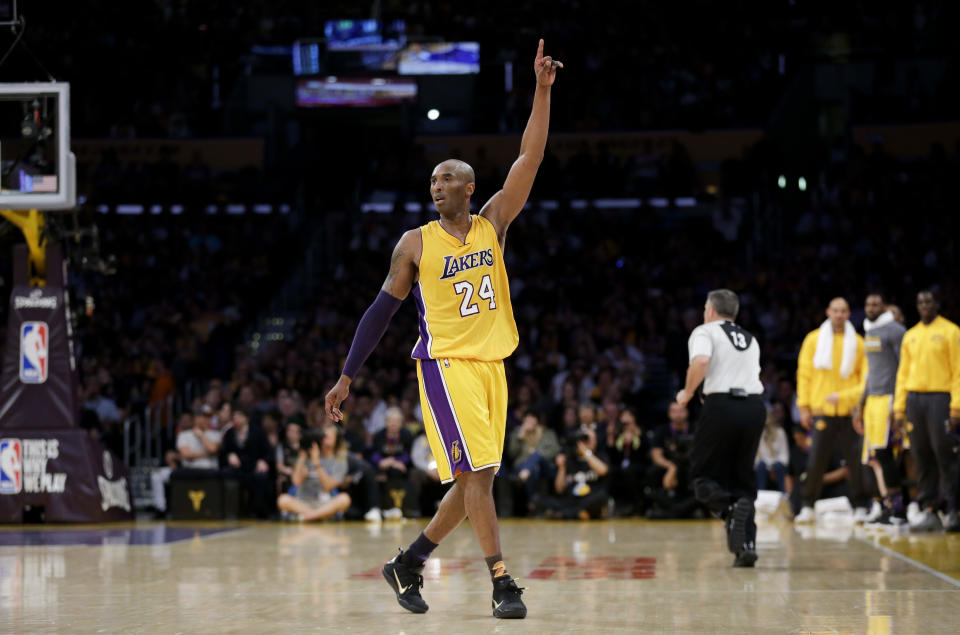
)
(174, 309)
(604, 303)
(185, 61)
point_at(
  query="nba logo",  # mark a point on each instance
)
(33, 352)
(11, 471)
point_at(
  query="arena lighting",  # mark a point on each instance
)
(380, 208)
(616, 203)
(802, 184)
(433, 114)
(782, 181)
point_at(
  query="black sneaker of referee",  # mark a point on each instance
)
(953, 523)
(406, 582)
(747, 556)
(506, 599)
(738, 516)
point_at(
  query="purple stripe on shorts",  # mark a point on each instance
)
(421, 350)
(443, 415)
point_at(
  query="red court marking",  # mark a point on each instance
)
(598, 568)
(553, 568)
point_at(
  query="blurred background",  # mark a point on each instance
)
(245, 168)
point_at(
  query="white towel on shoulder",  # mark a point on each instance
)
(823, 357)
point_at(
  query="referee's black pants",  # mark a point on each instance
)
(928, 414)
(724, 449)
(828, 432)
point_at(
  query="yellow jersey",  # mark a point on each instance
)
(814, 385)
(463, 296)
(929, 362)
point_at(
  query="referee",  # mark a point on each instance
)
(726, 359)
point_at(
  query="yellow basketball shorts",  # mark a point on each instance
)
(464, 404)
(876, 424)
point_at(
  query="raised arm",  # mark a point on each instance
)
(403, 273)
(505, 205)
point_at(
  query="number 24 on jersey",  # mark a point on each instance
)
(467, 305)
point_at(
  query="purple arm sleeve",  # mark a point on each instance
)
(372, 326)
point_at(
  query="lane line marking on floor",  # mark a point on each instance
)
(919, 565)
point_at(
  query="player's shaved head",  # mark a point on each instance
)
(451, 186)
(838, 313)
(839, 304)
(455, 166)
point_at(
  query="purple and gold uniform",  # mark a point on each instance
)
(466, 330)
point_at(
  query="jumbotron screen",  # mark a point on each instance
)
(444, 58)
(358, 35)
(363, 92)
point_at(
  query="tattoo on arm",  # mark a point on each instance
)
(395, 264)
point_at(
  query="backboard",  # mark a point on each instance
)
(37, 169)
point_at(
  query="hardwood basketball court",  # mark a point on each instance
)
(615, 576)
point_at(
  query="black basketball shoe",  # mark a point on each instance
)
(739, 516)
(406, 582)
(746, 556)
(506, 599)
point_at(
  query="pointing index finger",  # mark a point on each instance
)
(540, 49)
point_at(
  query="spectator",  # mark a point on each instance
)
(772, 455)
(531, 450)
(223, 418)
(629, 466)
(360, 482)
(287, 453)
(245, 454)
(670, 446)
(586, 418)
(390, 453)
(317, 478)
(160, 477)
(580, 485)
(199, 445)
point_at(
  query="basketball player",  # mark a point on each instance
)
(831, 374)
(928, 396)
(882, 337)
(454, 266)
